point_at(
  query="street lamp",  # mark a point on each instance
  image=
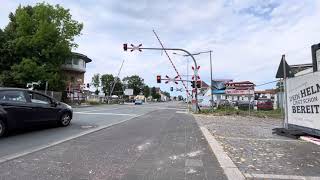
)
(203, 52)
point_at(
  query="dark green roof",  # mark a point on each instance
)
(82, 56)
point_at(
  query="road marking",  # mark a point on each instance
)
(32, 150)
(229, 168)
(276, 176)
(96, 110)
(114, 114)
(261, 139)
(193, 163)
(311, 139)
(181, 112)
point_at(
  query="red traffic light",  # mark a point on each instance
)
(125, 47)
(199, 84)
(158, 79)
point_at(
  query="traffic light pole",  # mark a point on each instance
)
(177, 49)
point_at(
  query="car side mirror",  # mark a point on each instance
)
(55, 103)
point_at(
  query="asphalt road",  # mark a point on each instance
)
(85, 120)
(151, 141)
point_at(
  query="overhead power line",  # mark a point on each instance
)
(271, 82)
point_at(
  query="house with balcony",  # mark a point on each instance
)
(74, 70)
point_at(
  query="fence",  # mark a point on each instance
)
(53, 94)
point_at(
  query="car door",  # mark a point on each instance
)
(18, 111)
(43, 108)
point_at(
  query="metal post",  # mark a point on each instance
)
(45, 91)
(188, 83)
(249, 104)
(285, 122)
(211, 80)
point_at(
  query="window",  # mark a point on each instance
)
(39, 99)
(69, 61)
(75, 61)
(13, 96)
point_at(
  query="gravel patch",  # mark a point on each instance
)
(250, 144)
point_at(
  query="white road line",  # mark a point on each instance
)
(261, 139)
(38, 148)
(276, 176)
(97, 110)
(178, 109)
(182, 112)
(229, 168)
(114, 114)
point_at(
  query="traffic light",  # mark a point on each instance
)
(193, 84)
(171, 89)
(158, 79)
(199, 84)
(88, 85)
(125, 47)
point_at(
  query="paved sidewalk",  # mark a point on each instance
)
(162, 144)
(259, 154)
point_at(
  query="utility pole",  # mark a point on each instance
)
(211, 85)
(115, 81)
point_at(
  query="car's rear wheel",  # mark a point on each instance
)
(65, 119)
(3, 128)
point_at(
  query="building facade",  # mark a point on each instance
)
(74, 70)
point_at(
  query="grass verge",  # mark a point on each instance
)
(228, 111)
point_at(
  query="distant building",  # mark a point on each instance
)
(163, 97)
(268, 94)
(74, 70)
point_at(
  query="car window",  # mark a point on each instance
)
(12, 96)
(39, 99)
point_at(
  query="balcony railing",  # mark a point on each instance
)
(73, 67)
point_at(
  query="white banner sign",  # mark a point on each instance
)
(303, 98)
(239, 92)
(128, 92)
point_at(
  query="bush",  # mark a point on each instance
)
(93, 102)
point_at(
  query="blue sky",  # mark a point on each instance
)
(247, 37)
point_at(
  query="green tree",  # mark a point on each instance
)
(135, 82)
(43, 34)
(146, 91)
(157, 96)
(279, 86)
(96, 82)
(153, 92)
(118, 87)
(107, 81)
(166, 94)
(27, 70)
